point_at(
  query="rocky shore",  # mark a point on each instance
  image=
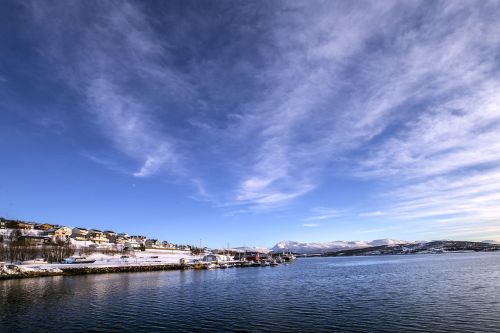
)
(19, 272)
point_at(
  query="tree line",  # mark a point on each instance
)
(13, 248)
(16, 249)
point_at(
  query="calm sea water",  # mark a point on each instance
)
(424, 293)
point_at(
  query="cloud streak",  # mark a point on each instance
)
(294, 122)
(117, 47)
(445, 161)
(311, 225)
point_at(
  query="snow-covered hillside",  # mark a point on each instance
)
(298, 247)
(249, 249)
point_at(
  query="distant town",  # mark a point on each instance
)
(29, 249)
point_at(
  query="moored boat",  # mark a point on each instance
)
(247, 264)
(78, 260)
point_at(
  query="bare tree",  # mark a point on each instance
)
(57, 251)
(3, 255)
(85, 251)
(18, 250)
(15, 234)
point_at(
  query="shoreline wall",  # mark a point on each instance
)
(69, 271)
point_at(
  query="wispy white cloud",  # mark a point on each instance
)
(293, 125)
(345, 80)
(321, 217)
(457, 203)
(372, 214)
(445, 162)
(424, 114)
(117, 51)
(127, 124)
(323, 213)
(311, 225)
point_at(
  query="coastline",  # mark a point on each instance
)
(106, 265)
(19, 272)
(143, 261)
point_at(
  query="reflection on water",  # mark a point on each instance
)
(438, 293)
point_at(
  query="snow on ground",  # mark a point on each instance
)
(140, 257)
(6, 232)
(81, 244)
(16, 270)
(137, 258)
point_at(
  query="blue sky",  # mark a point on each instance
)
(252, 122)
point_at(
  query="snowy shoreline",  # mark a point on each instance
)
(20, 272)
(149, 260)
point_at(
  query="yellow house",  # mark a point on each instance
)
(79, 234)
(61, 232)
(97, 237)
(45, 226)
(11, 224)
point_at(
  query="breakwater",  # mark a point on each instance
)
(119, 269)
(19, 272)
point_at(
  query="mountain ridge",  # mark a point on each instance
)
(338, 245)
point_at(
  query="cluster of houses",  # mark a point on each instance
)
(44, 233)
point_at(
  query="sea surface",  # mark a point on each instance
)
(414, 293)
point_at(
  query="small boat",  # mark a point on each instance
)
(78, 260)
(273, 263)
(198, 265)
(264, 263)
(223, 266)
(247, 264)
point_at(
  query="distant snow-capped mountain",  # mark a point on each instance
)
(298, 247)
(250, 249)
